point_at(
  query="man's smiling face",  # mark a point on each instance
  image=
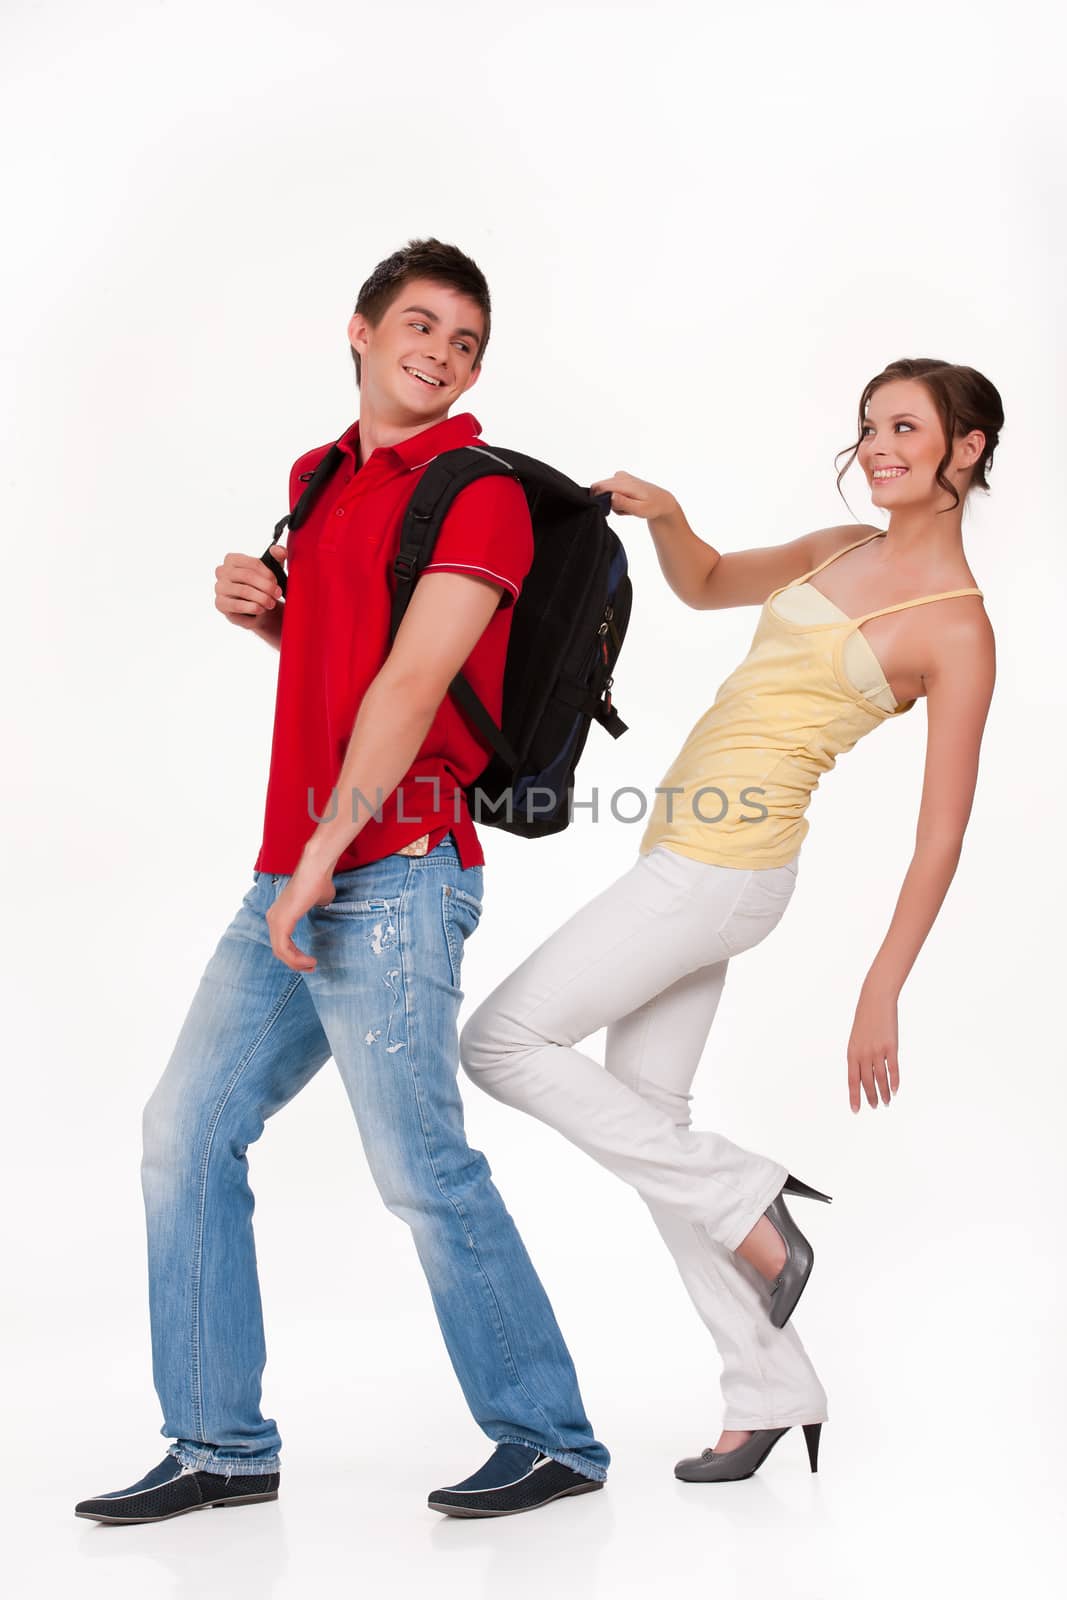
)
(422, 355)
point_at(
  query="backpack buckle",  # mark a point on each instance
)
(404, 567)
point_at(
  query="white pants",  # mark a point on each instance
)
(648, 958)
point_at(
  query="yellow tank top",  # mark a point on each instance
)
(808, 689)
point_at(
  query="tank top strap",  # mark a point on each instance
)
(920, 600)
(795, 582)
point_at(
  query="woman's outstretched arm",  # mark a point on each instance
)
(959, 687)
(704, 577)
(686, 561)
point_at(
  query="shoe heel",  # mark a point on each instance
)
(812, 1431)
(794, 1186)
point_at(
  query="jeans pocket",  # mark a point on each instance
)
(760, 908)
(355, 907)
(460, 915)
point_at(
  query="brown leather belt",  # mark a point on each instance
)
(417, 847)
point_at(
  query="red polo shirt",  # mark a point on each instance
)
(335, 638)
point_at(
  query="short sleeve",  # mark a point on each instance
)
(487, 533)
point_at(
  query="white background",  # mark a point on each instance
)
(704, 227)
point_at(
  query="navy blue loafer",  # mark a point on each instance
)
(170, 1490)
(515, 1478)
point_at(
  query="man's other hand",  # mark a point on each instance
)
(246, 590)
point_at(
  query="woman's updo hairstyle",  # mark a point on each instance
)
(964, 400)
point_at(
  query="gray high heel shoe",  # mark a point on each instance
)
(799, 1255)
(732, 1465)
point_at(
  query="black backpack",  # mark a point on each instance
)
(569, 624)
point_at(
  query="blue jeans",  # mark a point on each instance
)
(383, 1001)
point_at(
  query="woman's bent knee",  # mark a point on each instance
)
(480, 1045)
(492, 1056)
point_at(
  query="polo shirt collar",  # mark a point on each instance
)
(421, 447)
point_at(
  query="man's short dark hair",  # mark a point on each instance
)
(423, 258)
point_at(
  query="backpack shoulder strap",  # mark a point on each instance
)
(435, 491)
(438, 487)
(292, 519)
(313, 483)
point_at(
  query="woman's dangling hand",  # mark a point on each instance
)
(872, 1049)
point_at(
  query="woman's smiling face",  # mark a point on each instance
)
(902, 444)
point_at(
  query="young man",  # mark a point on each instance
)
(350, 941)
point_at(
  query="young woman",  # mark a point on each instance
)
(895, 617)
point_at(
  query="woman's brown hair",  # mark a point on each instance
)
(964, 399)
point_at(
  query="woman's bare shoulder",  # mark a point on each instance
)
(748, 577)
(959, 643)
